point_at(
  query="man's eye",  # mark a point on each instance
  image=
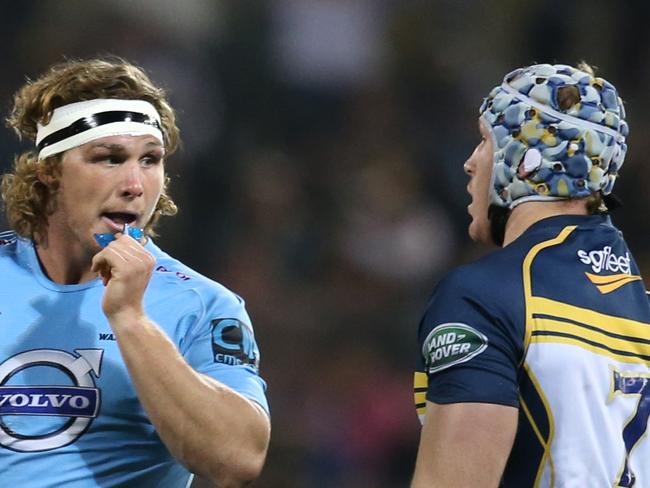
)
(150, 160)
(105, 158)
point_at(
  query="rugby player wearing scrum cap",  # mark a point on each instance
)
(119, 366)
(534, 361)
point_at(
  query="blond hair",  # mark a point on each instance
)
(28, 199)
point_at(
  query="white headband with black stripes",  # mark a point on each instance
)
(78, 123)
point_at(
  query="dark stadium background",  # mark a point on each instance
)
(321, 176)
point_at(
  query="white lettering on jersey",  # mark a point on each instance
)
(606, 260)
(78, 400)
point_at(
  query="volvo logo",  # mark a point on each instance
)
(79, 401)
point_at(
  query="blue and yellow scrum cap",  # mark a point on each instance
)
(546, 150)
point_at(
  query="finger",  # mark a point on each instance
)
(139, 240)
(125, 254)
(113, 258)
(135, 248)
(105, 275)
(98, 261)
(103, 270)
(103, 260)
(120, 254)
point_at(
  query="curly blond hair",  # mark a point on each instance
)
(28, 200)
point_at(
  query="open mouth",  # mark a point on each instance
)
(120, 218)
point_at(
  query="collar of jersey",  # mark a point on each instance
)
(562, 221)
(26, 253)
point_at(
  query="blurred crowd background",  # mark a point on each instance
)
(321, 175)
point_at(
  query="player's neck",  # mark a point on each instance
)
(63, 262)
(526, 214)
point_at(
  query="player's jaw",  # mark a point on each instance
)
(479, 227)
(479, 169)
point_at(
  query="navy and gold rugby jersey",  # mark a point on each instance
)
(557, 324)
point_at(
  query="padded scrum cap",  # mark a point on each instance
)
(546, 152)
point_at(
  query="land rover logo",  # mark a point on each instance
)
(452, 343)
(79, 401)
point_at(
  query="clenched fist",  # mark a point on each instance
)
(125, 267)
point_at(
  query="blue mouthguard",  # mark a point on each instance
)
(105, 239)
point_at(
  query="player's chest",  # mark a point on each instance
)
(59, 360)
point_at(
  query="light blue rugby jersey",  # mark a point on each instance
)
(69, 414)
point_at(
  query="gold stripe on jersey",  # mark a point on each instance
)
(619, 338)
(527, 278)
(530, 325)
(420, 385)
(590, 347)
(552, 321)
(546, 443)
(609, 283)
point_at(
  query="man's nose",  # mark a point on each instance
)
(467, 167)
(131, 184)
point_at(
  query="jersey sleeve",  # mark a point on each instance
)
(469, 349)
(220, 343)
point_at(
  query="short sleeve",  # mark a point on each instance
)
(469, 349)
(221, 343)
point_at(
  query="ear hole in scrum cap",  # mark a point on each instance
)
(567, 97)
(529, 163)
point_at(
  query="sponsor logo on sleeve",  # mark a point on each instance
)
(452, 343)
(233, 343)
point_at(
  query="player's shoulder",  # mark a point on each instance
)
(8, 243)
(8, 238)
(490, 273)
(172, 273)
(488, 283)
(478, 303)
(506, 262)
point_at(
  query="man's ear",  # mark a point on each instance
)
(46, 178)
(48, 171)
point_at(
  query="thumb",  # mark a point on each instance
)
(102, 268)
